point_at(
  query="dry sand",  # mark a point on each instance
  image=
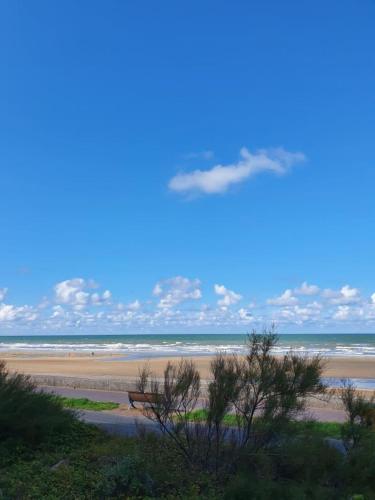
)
(84, 366)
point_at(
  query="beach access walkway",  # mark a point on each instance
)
(129, 422)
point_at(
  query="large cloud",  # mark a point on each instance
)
(220, 177)
(74, 293)
(9, 312)
(346, 295)
(175, 290)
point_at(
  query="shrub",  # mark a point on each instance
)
(300, 468)
(360, 412)
(27, 414)
(262, 393)
(359, 437)
(126, 476)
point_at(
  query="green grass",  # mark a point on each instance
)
(87, 404)
(200, 415)
(321, 429)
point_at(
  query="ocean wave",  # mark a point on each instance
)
(183, 348)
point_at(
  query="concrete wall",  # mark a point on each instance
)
(99, 383)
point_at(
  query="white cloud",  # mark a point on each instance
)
(342, 313)
(245, 315)
(3, 292)
(66, 291)
(98, 299)
(285, 299)
(302, 307)
(298, 315)
(10, 312)
(220, 177)
(346, 295)
(229, 297)
(134, 306)
(349, 293)
(58, 312)
(306, 289)
(157, 290)
(73, 293)
(175, 290)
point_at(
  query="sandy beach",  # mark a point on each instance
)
(86, 366)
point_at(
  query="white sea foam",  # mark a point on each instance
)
(183, 348)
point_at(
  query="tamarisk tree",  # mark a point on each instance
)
(260, 391)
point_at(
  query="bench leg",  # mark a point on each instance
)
(131, 404)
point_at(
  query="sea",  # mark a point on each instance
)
(160, 345)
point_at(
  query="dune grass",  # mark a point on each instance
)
(87, 404)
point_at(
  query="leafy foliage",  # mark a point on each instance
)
(360, 411)
(26, 413)
(260, 391)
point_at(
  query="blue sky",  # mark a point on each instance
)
(187, 166)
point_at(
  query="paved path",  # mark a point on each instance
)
(122, 424)
(327, 414)
(94, 394)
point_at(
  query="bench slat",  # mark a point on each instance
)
(140, 397)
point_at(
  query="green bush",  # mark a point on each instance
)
(359, 469)
(258, 394)
(27, 414)
(126, 476)
(300, 468)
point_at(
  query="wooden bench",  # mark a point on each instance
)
(141, 397)
(369, 417)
